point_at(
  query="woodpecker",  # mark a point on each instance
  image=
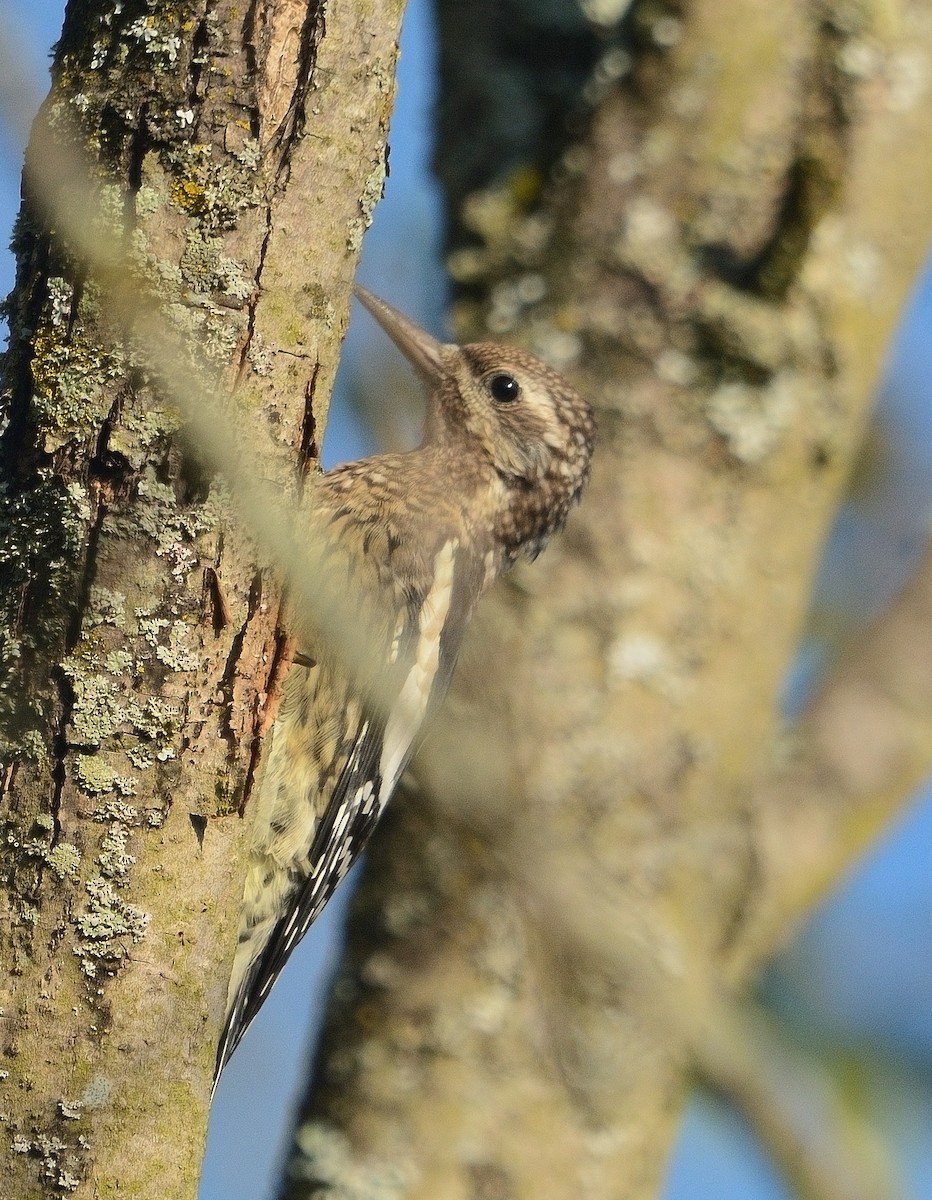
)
(410, 543)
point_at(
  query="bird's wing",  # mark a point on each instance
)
(376, 749)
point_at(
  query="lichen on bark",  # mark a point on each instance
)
(168, 168)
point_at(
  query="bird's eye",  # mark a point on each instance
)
(503, 388)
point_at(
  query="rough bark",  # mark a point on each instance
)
(237, 153)
(610, 837)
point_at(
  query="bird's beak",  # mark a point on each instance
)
(424, 352)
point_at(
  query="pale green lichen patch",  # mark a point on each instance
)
(119, 662)
(108, 711)
(177, 654)
(215, 190)
(124, 53)
(216, 333)
(150, 626)
(158, 721)
(505, 229)
(141, 428)
(70, 374)
(95, 1095)
(116, 810)
(207, 269)
(41, 535)
(71, 1110)
(114, 859)
(64, 860)
(147, 200)
(31, 747)
(166, 522)
(106, 928)
(94, 774)
(156, 34)
(141, 756)
(60, 300)
(98, 710)
(59, 1162)
(106, 607)
(108, 218)
(372, 192)
(42, 532)
(97, 1092)
(34, 848)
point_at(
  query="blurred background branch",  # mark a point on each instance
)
(863, 744)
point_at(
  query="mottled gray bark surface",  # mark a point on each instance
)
(237, 152)
(614, 832)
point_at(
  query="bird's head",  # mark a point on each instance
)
(523, 421)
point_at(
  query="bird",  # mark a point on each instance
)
(407, 544)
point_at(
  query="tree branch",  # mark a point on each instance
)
(235, 165)
(862, 748)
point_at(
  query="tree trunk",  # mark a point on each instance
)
(237, 155)
(611, 833)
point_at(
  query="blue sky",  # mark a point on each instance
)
(860, 972)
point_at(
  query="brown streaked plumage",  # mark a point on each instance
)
(411, 541)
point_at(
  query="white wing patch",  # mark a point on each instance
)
(409, 709)
(396, 639)
(490, 571)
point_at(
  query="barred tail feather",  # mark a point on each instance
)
(262, 906)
